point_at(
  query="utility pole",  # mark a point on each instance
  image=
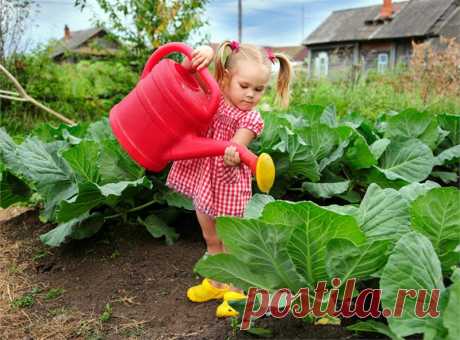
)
(240, 21)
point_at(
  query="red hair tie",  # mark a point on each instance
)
(234, 45)
(270, 55)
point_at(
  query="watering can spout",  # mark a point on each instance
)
(192, 146)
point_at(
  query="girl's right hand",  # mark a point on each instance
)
(201, 57)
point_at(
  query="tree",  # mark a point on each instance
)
(154, 22)
(13, 15)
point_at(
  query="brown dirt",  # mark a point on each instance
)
(142, 278)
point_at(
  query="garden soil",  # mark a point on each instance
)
(120, 284)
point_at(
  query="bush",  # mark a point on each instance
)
(82, 92)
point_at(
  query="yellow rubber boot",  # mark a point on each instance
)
(205, 291)
(224, 309)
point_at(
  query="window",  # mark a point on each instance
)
(322, 64)
(382, 62)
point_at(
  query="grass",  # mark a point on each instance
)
(368, 96)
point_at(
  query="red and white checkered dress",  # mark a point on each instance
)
(215, 188)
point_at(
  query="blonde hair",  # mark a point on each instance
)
(226, 58)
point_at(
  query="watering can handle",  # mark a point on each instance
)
(169, 48)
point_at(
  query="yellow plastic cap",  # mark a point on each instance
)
(265, 172)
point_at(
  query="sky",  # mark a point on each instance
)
(265, 22)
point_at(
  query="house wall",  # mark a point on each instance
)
(403, 52)
(363, 55)
(369, 52)
(340, 60)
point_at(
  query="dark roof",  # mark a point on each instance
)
(295, 53)
(414, 18)
(452, 26)
(77, 38)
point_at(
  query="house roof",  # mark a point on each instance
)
(77, 38)
(413, 18)
(451, 28)
(296, 53)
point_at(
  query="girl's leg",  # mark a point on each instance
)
(213, 244)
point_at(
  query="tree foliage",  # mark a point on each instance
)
(149, 24)
(13, 15)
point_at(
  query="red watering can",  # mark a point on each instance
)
(162, 118)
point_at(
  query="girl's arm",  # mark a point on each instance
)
(201, 57)
(242, 136)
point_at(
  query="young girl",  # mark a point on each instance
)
(222, 185)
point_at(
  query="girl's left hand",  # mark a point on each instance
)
(231, 156)
(201, 57)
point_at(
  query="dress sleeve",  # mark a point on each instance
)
(252, 121)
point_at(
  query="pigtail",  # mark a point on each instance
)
(220, 61)
(284, 79)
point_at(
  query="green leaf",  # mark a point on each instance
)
(447, 155)
(12, 189)
(78, 228)
(342, 209)
(262, 247)
(437, 216)
(374, 326)
(53, 177)
(413, 264)
(451, 314)
(256, 205)
(431, 136)
(335, 155)
(379, 146)
(411, 191)
(83, 158)
(8, 153)
(100, 131)
(329, 116)
(325, 190)
(410, 124)
(451, 123)
(175, 199)
(229, 268)
(91, 195)
(157, 228)
(319, 139)
(312, 113)
(383, 214)
(115, 164)
(445, 176)
(346, 260)
(49, 133)
(374, 175)
(358, 154)
(352, 119)
(301, 161)
(409, 160)
(313, 227)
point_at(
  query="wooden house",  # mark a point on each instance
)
(379, 37)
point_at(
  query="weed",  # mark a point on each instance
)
(41, 254)
(25, 301)
(133, 331)
(57, 311)
(54, 293)
(106, 314)
(115, 254)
